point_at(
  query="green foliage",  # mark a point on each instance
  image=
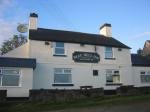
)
(12, 43)
(139, 51)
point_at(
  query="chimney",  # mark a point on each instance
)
(106, 30)
(33, 21)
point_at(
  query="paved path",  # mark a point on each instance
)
(139, 107)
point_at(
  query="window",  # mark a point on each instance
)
(95, 72)
(59, 48)
(108, 52)
(9, 77)
(62, 75)
(145, 76)
(112, 76)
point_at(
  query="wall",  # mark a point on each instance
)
(20, 52)
(26, 84)
(136, 76)
(82, 73)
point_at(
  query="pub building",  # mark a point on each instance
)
(58, 59)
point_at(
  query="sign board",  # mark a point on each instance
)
(22, 28)
(86, 57)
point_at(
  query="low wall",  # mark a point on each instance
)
(3, 95)
(64, 95)
(131, 90)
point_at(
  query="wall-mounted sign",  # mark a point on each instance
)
(86, 57)
(22, 28)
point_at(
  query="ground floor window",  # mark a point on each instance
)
(112, 76)
(9, 77)
(62, 75)
(145, 76)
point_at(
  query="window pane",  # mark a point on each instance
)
(145, 78)
(58, 70)
(62, 78)
(108, 55)
(109, 78)
(109, 71)
(59, 44)
(67, 71)
(11, 72)
(10, 80)
(108, 49)
(59, 51)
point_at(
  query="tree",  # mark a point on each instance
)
(140, 52)
(13, 43)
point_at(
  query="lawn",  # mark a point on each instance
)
(46, 106)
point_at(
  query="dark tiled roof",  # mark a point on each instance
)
(74, 37)
(138, 60)
(17, 62)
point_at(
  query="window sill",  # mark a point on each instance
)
(62, 84)
(110, 58)
(113, 84)
(59, 55)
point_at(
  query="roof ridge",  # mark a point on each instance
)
(74, 32)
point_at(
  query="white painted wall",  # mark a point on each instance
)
(136, 76)
(82, 73)
(26, 84)
(20, 52)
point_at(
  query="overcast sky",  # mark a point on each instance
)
(130, 19)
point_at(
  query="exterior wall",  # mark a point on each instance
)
(26, 84)
(20, 52)
(136, 76)
(82, 73)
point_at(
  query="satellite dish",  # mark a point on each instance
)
(22, 28)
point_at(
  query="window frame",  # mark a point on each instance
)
(55, 47)
(19, 74)
(63, 69)
(113, 74)
(145, 73)
(109, 52)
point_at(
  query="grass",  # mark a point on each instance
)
(46, 106)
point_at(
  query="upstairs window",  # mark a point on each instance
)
(59, 48)
(108, 52)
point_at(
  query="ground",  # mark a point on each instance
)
(136, 107)
(100, 104)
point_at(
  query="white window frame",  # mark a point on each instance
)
(54, 53)
(19, 74)
(113, 70)
(145, 74)
(109, 52)
(63, 73)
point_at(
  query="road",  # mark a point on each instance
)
(138, 107)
